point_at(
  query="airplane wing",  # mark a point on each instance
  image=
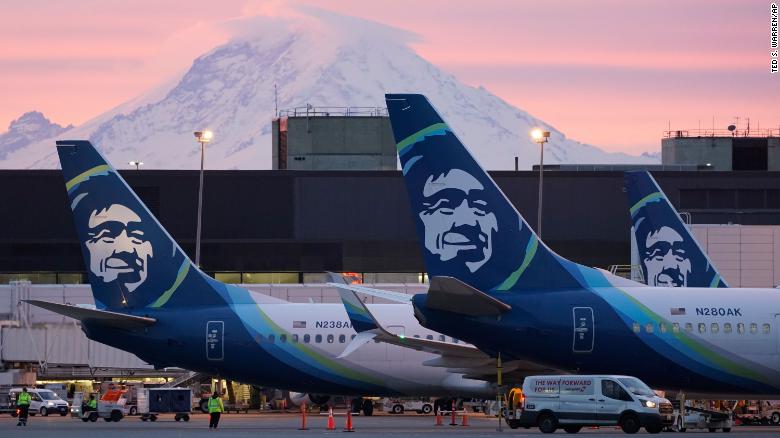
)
(363, 321)
(464, 359)
(94, 316)
(398, 297)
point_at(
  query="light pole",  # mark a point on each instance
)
(137, 164)
(540, 137)
(202, 137)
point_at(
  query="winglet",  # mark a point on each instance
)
(359, 316)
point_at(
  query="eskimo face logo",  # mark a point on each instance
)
(458, 222)
(666, 261)
(117, 245)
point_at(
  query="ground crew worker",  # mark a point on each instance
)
(91, 405)
(216, 408)
(23, 403)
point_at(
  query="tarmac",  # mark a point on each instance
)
(286, 425)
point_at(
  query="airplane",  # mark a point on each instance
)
(668, 253)
(152, 301)
(496, 285)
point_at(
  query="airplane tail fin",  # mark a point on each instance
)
(131, 260)
(668, 253)
(467, 227)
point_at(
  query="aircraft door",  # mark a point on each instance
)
(583, 330)
(215, 340)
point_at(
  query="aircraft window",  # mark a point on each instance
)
(331, 338)
(417, 336)
(637, 327)
(714, 327)
(753, 328)
(306, 338)
(675, 327)
(727, 327)
(271, 338)
(454, 340)
(766, 329)
(295, 338)
(442, 338)
(318, 339)
(688, 327)
(352, 337)
(283, 338)
(649, 327)
(662, 327)
(259, 338)
(429, 337)
(702, 327)
(342, 339)
(741, 328)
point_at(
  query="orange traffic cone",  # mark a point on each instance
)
(331, 422)
(439, 418)
(464, 420)
(348, 427)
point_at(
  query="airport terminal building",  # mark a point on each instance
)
(278, 226)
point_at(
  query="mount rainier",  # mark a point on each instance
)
(316, 58)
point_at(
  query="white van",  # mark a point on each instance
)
(571, 402)
(43, 401)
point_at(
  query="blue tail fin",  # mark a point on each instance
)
(668, 252)
(467, 228)
(132, 262)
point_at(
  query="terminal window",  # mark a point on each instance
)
(749, 154)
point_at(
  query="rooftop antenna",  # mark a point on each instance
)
(748, 127)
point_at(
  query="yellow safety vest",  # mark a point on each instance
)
(23, 398)
(215, 405)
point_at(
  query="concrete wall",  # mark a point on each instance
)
(773, 153)
(338, 143)
(697, 151)
(745, 255)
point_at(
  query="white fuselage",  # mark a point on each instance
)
(327, 329)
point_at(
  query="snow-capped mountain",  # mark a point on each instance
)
(316, 58)
(29, 128)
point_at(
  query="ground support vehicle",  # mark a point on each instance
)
(107, 409)
(155, 401)
(573, 402)
(760, 412)
(399, 406)
(42, 401)
(6, 403)
(696, 415)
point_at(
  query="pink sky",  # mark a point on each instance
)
(608, 72)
